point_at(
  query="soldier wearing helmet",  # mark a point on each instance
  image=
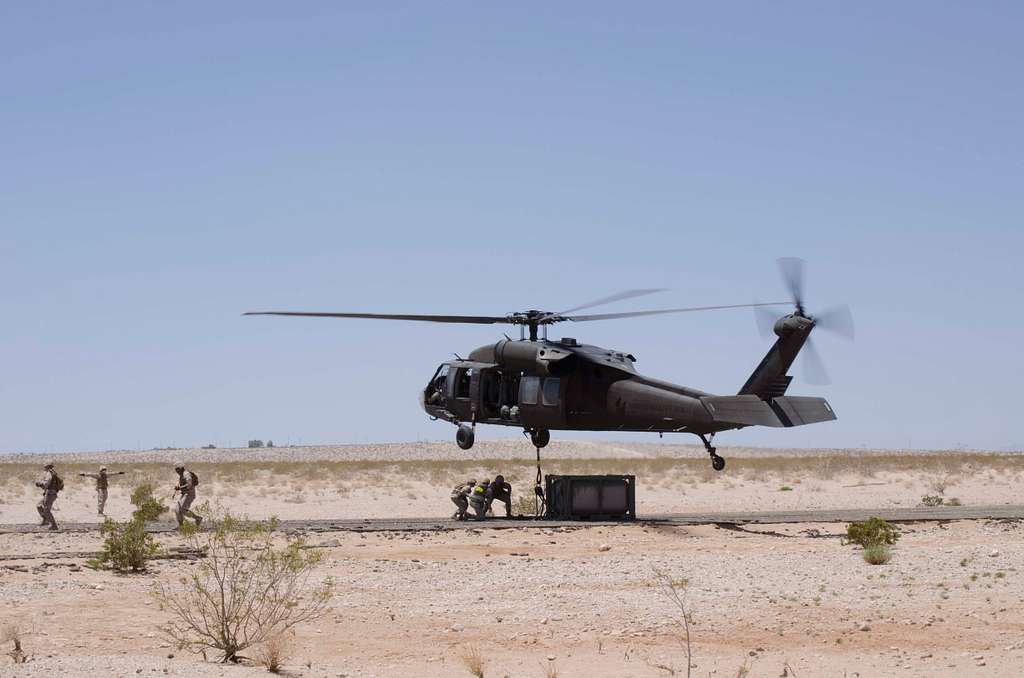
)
(186, 489)
(478, 499)
(51, 484)
(460, 494)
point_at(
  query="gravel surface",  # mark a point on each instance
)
(125, 666)
(584, 600)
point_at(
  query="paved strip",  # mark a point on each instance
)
(896, 515)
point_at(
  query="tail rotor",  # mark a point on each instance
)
(837, 319)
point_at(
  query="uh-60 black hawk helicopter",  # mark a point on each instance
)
(541, 385)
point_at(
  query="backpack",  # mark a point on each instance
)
(195, 479)
(58, 483)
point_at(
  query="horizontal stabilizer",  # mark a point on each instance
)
(745, 410)
(798, 410)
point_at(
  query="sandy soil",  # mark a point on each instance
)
(948, 604)
(571, 602)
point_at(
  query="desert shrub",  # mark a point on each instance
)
(872, 532)
(147, 507)
(274, 651)
(932, 500)
(474, 661)
(245, 592)
(12, 634)
(128, 546)
(953, 501)
(674, 590)
(939, 485)
(877, 554)
(525, 505)
(785, 488)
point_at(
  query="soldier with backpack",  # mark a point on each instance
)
(51, 484)
(188, 481)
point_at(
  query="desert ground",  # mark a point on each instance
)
(792, 600)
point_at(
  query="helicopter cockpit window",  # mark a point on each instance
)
(441, 379)
(462, 383)
(549, 396)
(529, 389)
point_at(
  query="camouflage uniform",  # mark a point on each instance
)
(478, 500)
(102, 480)
(45, 506)
(501, 491)
(459, 498)
(186, 495)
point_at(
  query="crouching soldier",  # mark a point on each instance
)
(501, 491)
(459, 498)
(102, 481)
(186, 489)
(478, 499)
(51, 484)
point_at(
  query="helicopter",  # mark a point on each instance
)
(542, 385)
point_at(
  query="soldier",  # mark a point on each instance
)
(501, 491)
(51, 484)
(101, 479)
(478, 499)
(459, 498)
(186, 489)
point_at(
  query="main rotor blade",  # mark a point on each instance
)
(470, 319)
(837, 319)
(813, 367)
(792, 270)
(628, 294)
(637, 314)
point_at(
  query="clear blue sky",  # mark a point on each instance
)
(165, 167)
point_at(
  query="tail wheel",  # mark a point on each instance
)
(717, 463)
(540, 437)
(464, 437)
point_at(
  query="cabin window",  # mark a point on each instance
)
(462, 385)
(550, 395)
(529, 389)
(441, 380)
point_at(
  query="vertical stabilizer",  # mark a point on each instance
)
(770, 380)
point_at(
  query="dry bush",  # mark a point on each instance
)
(525, 505)
(675, 591)
(474, 661)
(274, 651)
(245, 592)
(12, 634)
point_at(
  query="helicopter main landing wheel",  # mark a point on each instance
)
(540, 437)
(464, 437)
(717, 463)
